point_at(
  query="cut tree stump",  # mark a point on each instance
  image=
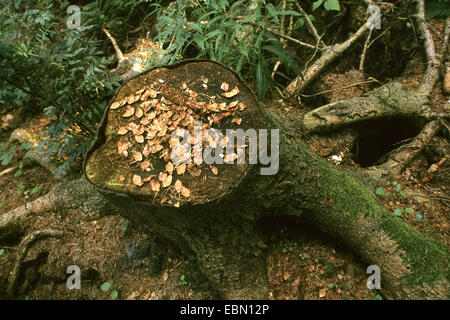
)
(212, 212)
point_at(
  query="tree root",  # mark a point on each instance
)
(401, 157)
(66, 195)
(25, 244)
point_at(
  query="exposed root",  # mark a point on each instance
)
(24, 245)
(44, 160)
(403, 156)
(65, 195)
(431, 74)
(389, 100)
(396, 100)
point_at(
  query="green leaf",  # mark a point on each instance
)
(1, 251)
(398, 212)
(36, 189)
(332, 5)
(409, 210)
(379, 191)
(317, 4)
(398, 188)
(114, 294)
(18, 173)
(106, 286)
(26, 145)
(261, 83)
(125, 225)
(273, 12)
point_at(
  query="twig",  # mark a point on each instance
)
(282, 40)
(330, 90)
(25, 244)
(301, 43)
(311, 26)
(363, 55)
(119, 53)
(6, 171)
(329, 54)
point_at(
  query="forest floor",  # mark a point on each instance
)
(303, 263)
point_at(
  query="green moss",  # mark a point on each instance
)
(427, 258)
(348, 194)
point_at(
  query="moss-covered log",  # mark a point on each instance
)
(387, 101)
(219, 228)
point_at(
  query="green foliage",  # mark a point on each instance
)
(2, 251)
(398, 212)
(6, 154)
(64, 72)
(183, 281)
(330, 270)
(437, 8)
(125, 225)
(304, 256)
(377, 297)
(108, 285)
(116, 15)
(231, 32)
(329, 5)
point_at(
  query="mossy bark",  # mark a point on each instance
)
(387, 101)
(221, 232)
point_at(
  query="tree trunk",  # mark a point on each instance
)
(217, 222)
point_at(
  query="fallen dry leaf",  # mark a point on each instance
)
(322, 293)
(178, 185)
(115, 105)
(232, 93)
(155, 185)
(145, 165)
(139, 139)
(122, 148)
(137, 156)
(185, 192)
(169, 167)
(128, 112)
(137, 180)
(181, 168)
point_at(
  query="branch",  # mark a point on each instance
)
(329, 54)
(311, 26)
(431, 74)
(25, 244)
(115, 45)
(301, 43)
